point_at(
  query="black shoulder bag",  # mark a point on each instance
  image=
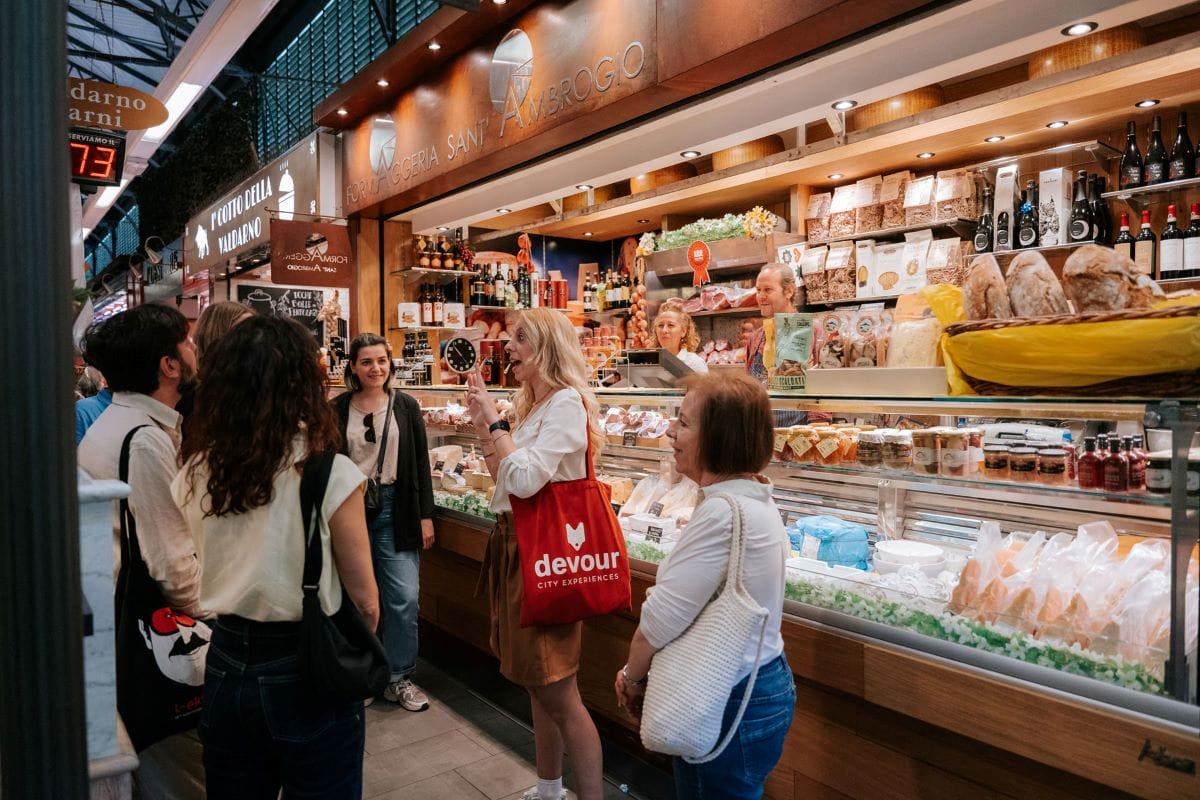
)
(340, 657)
(160, 652)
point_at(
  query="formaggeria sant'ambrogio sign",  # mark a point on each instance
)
(558, 64)
(91, 104)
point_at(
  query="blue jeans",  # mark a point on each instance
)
(398, 574)
(738, 773)
(264, 730)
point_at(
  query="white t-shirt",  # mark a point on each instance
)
(551, 446)
(252, 563)
(693, 361)
(366, 454)
(696, 568)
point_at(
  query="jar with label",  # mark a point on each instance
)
(802, 444)
(849, 444)
(995, 462)
(870, 449)
(975, 451)
(1158, 472)
(925, 451)
(1052, 466)
(829, 446)
(954, 456)
(1023, 464)
(898, 450)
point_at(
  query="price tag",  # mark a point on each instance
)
(826, 447)
(654, 534)
(458, 469)
(800, 445)
(656, 509)
(629, 439)
(438, 466)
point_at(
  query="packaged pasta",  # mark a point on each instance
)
(868, 210)
(841, 211)
(864, 270)
(812, 273)
(914, 334)
(839, 271)
(891, 196)
(956, 195)
(918, 201)
(829, 331)
(914, 262)
(793, 348)
(866, 343)
(816, 222)
(887, 270)
(945, 261)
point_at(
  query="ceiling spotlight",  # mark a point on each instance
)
(642, 221)
(382, 83)
(434, 46)
(499, 2)
(1059, 123)
(1146, 103)
(442, 228)
(587, 233)
(503, 210)
(583, 187)
(837, 176)
(1079, 28)
(844, 105)
(690, 153)
(994, 139)
(925, 155)
(341, 112)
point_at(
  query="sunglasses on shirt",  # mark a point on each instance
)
(369, 426)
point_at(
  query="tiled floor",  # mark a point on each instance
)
(466, 747)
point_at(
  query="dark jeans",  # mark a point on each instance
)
(738, 773)
(263, 729)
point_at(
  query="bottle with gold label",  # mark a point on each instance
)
(435, 256)
(422, 249)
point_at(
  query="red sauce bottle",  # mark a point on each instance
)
(1091, 466)
(1137, 463)
(1116, 468)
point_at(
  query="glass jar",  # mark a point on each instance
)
(849, 444)
(954, 453)
(802, 444)
(925, 451)
(1023, 464)
(995, 462)
(898, 450)
(829, 446)
(975, 450)
(870, 449)
(779, 451)
(1052, 466)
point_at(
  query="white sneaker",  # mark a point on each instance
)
(406, 694)
(532, 794)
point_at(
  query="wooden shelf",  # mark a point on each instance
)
(727, 312)
(963, 227)
(729, 256)
(852, 301)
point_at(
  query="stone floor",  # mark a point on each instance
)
(473, 744)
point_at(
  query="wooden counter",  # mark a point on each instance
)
(876, 721)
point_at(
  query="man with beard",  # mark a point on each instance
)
(149, 361)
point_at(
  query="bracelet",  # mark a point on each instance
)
(498, 425)
(625, 675)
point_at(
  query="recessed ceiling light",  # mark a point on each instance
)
(836, 176)
(925, 155)
(341, 112)
(642, 221)
(583, 187)
(382, 83)
(1146, 103)
(690, 153)
(503, 210)
(442, 228)
(994, 139)
(434, 46)
(1079, 28)
(587, 233)
(1058, 123)
(499, 2)
(843, 105)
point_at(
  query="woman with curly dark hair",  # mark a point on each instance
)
(260, 414)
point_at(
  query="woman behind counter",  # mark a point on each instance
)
(723, 459)
(556, 416)
(675, 332)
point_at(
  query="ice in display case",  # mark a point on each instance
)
(1087, 591)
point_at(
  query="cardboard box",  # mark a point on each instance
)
(864, 281)
(1007, 194)
(408, 315)
(1054, 206)
(455, 315)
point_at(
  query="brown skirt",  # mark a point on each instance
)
(540, 654)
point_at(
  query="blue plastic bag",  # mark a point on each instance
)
(836, 542)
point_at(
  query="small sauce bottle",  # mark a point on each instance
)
(1116, 468)
(1137, 463)
(1091, 466)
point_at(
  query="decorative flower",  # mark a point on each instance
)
(759, 222)
(646, 244)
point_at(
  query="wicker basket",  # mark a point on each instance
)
(1086, 50)
(661, 177)
(1176, 383)
(894, 108)
(747, 151)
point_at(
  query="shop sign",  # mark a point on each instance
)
(324, 311)
(699, 256)
(92, 104)
(291, 187)
(310, 253)
(556, 66)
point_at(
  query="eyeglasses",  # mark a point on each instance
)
(369, 425)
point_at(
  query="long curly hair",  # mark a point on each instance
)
(690, 340)
(260, 386)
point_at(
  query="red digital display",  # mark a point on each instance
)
(97, 158)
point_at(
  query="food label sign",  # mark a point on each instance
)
(699, 257)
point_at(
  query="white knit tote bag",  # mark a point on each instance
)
(692, 678)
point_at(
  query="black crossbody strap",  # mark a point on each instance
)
(387, 423)
(131, 552)
(312, 496)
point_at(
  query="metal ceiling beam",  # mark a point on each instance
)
(116, 34)
(124, 67)
(180, 28)
(118, 59)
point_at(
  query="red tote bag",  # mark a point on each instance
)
(573, 557)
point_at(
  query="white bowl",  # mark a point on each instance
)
(884, 567)
(902, 551)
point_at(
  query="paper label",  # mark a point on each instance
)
(656, 509)
(826, 447)
(438, 465)
(954, 459)
(924, 456)
(458, 469)
(810, 547)
(780, 441)
(653, 534)
(800, 445)
(629, 439)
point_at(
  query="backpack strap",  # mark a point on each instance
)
(313, 483)
(131, 553)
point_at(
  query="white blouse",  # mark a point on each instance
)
(694, 361)
(551, 446)
(694, 571)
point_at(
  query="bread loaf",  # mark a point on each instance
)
(1098, 279)
(985, 295)
(1033, 290)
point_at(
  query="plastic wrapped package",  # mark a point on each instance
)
(919, 201)
(892, 198)
(648, 491)
(868, 207)
(830, 539)
(816, 222)
(841, 211)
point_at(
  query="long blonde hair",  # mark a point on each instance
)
(690, 339)
(559, 361)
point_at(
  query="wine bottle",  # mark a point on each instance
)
(1101, 212)
(500, 290)
(1027, 225)
(1130, 171)
(1155, 167)
(426, 306)
(1080, 229)
(1191, 246)
(1170, 251)
(439, 307)
(1183, 159)
(1124, 242)
(984, 230)
(1145, 248)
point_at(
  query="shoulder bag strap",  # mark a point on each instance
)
(312, 495)
(387, 423)
(131, 553)
(587, 439)
(733, 583)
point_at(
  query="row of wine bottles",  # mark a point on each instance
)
(1173, 254)
(1157, 165)
(1035, 219)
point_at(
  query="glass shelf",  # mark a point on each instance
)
(1133, 197)
(962, 227)
(419, 274)
(727, 312)
(1003, 255)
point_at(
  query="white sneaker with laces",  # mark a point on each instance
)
(532, 794)
(406, 694)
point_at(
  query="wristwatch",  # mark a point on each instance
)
(625, 674)
(499, 425)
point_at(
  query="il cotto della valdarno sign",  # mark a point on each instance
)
(548, 71)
